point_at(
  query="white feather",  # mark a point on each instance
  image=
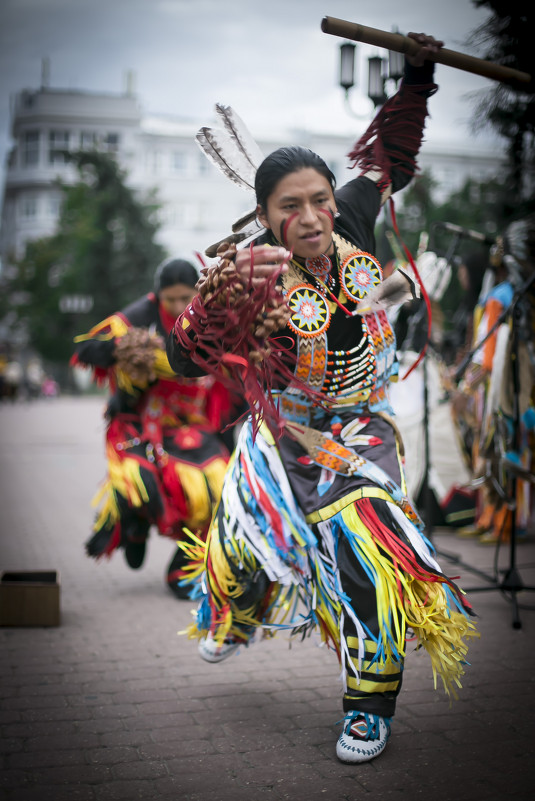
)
(396, 289)
(234, 151)
(241, 135)
(222, 151)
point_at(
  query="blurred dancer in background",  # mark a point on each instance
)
(166, 457)
(485, 401)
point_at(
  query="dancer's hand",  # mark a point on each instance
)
(265, 261)
(428, 46)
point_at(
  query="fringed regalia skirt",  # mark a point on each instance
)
(302, 541)
(173, 483)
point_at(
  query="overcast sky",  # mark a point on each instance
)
(270, 60)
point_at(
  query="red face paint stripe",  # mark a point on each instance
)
(285, 225)
(328, 213)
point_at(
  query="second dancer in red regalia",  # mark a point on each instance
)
(166, 458)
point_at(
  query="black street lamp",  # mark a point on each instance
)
(347, 75)
(376, 80)
(347, 66)
(380, 70)
(396, 65)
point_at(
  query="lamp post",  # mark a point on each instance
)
(396, 64)
(347, 66)
(376, 80)
(380, 70)
(347, 75)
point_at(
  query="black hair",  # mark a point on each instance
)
(282, 162)
(174, 271)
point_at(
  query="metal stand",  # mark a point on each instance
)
(415, 325)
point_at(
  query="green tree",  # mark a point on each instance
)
(103, 249)
(506, 37)
(414, 211)
(476, 206)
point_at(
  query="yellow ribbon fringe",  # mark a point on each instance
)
(124, 478)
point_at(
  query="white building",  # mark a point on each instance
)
(44, 124)
(198, 203)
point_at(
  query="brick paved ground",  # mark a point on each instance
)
(112, 704)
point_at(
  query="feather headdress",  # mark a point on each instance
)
(234, 151)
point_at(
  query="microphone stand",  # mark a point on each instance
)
(426, 492)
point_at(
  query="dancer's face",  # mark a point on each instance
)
(176, 298)
(300, 212)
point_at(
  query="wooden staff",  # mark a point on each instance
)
(404, 44)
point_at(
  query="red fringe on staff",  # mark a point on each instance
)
(403, 117)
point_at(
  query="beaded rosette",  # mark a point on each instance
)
(311, 315)
(359, 273)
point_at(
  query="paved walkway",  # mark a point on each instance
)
(113, 704)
